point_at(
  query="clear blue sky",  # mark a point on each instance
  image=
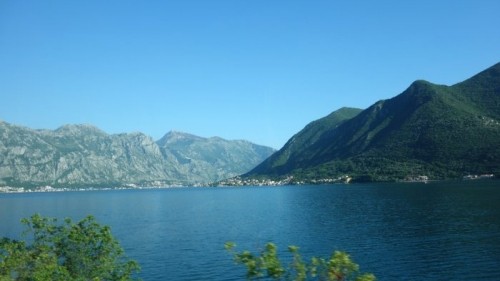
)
(258, 70)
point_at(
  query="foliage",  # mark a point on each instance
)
(267, 265)
(279, 162)
(69, 251)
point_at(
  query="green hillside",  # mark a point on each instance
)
(433, 130)
(292, 152)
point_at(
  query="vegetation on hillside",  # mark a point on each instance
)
(433, 130)
(282, 161)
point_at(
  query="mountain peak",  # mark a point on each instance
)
(180, 134)
(79, 129)
(174, 136)
(344, 113)
(435, 130)
(84, 155)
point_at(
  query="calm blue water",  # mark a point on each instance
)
(436, 231)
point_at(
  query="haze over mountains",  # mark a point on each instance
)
(433, 130)
(83, 155)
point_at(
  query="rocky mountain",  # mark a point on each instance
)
(83, 155)
(210, 159)
(433, 130)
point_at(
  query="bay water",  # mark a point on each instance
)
(398, 231)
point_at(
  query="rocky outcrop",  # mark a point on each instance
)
(83, 155)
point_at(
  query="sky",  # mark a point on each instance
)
(258, 70)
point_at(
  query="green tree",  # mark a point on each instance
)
(68, 251)
(267, 265)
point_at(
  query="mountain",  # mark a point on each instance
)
(211, 159)
(83, 155)
(286, 158)
(433, 130)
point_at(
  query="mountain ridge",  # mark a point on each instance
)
(430, 129)
(83, 155)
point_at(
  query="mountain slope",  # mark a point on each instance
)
(79, 155)
(429, 129)
(292, 152)
(83, 155)
(211, 159)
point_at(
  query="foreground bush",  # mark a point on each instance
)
(267, 265)
(68, 251)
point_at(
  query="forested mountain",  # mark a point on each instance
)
(83, 155)
(433, 130)
(293, 151)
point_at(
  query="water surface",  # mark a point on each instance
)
(435, 231)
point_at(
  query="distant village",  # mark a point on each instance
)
(48, 188)
(290, 180)
(476, 177)
(231, 182)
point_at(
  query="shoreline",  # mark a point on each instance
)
(50, 189)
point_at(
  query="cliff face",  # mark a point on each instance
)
(211, 158)
(83, 155)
